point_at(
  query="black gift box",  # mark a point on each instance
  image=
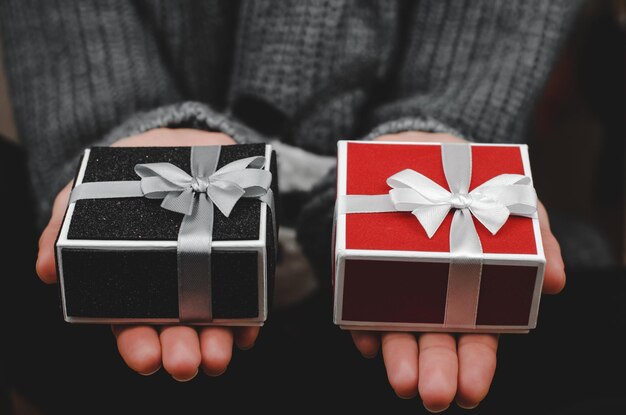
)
(117, 257)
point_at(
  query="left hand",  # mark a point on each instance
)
(182, 350)
(438, 366)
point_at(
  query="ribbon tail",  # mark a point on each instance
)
(225, 196)
(194, 263)
(181, 201)
(431, 217)
(492, 215)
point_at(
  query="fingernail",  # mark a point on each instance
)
(246, 347)
(185, 380)
(370, 356)
(435, 411)
(407, 397)
(466, 407)
(214, 375)
(150, 373)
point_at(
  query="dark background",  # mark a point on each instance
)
(573, 363)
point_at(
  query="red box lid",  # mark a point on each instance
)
(370, 164)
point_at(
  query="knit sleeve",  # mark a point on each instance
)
(473, 69)
(85, 73)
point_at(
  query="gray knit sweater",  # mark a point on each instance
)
(307, 73)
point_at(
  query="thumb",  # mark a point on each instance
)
(46, 267)
(554, 279)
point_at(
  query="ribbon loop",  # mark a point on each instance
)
(422, 185)
(255, 162)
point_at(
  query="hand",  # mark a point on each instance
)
(180, 349)
(436, 365)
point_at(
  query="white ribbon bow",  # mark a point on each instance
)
(224, 187)
(491, 203)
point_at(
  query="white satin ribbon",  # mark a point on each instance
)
(491, 203)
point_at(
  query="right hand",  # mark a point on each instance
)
(180, 349)
(442, 367)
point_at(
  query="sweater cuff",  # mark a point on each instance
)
(424, 124)
(189, 114)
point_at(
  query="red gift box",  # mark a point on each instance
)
(389, 275)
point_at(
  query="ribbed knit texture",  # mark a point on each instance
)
(305, 72)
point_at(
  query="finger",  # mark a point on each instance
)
(554, 278)
(477, 365)
(245, 337)
(140, 348)
(216, 345)
(366, 342)
(400, 356)
(438, 366)
(180, 349)
(45, 266)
